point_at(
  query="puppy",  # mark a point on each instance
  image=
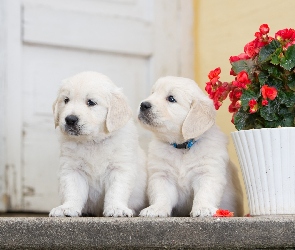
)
(189, 172)
(102, 168)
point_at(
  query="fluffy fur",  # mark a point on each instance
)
(195, 181)
(102, 168)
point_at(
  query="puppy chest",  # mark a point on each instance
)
(184, 171)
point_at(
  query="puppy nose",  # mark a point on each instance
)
(71, 120)
(145, 105)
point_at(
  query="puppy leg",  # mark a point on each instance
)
(118, 189)
(74, 191)
(208, 191)
(163, 197)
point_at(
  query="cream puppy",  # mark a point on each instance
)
(102, 168)
(189, 172)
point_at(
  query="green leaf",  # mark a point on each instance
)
(266, 52)
(242, 65)
(288, 62)
(284, 111)
(274, 82)
(275, 58)
(282, 98)
(262, 77)
(288, 120)
(240, 119)
(289, 100)
(274, 71)
(269, 112)
(254, 121)
(273, 124)
(246, 97)
(291, 81)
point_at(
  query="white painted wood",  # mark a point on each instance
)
(42, 76)
(13, 111)
(132, 9)
(65, 28)
(3, 204)
(134, 42)
(186, 19)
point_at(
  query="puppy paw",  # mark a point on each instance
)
(155, 211)
(203, 211)
(117, 211)
(64, 211)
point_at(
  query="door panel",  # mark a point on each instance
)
(91, 31)
(44, 67)
(134, 42)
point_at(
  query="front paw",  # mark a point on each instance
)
(155, 211)
(117, 211)
(203, 211)
(65, 211)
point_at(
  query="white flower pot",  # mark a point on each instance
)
(267, 160)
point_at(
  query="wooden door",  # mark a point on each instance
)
(134, 42)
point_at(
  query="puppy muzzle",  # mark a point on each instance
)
(71, 125)
(146, 115)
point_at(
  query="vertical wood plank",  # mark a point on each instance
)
(13, 116)
(3, 204)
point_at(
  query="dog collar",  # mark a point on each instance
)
(187, 145)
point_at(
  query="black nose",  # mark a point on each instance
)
(71, 120)
(145, 105)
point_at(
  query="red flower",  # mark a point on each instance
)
(252, 103)
(242, 56)
(214, 74)
(286, 37)
(285, 34)
(268, 92)
(238, 93)
(232, 108)
(223, 213)
(232, 73)
(258, 35)
(264, 102)
(264, 29)
(243, 77)
(241, 80)
(233, 118)
(253, 106)
(251, 49)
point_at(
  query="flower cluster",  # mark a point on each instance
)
(262, 93)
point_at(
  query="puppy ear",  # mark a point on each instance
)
(55, 112)
(119, 112)
(200, 118)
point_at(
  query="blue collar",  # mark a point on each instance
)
(186, 145)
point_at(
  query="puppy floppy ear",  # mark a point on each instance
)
(55, 112)
(200, 118)
(119, 112)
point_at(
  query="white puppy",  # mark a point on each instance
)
(188, 164)
(102, 168)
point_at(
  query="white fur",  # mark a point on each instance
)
(102, 168)
(195, 181)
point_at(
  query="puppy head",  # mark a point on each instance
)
(177, 110)
(90, 105)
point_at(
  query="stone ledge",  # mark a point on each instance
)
(134, 233)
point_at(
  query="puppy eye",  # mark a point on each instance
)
(66, 100)
(91, 103)
(170, 98)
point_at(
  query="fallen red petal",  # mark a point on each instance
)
(223, 213)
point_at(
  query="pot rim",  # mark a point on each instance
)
(256, 129)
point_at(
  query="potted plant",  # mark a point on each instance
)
(262, 96)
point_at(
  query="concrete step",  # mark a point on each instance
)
(147, 233)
